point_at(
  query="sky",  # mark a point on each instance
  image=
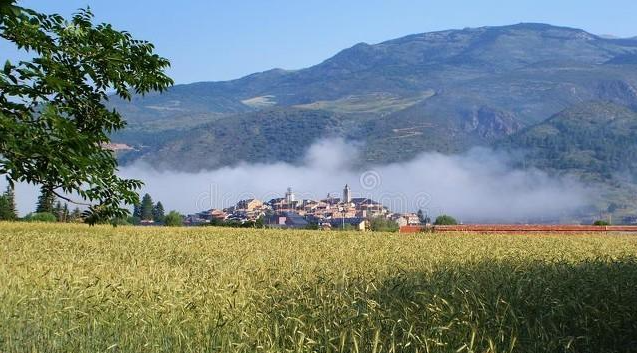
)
(220, 40)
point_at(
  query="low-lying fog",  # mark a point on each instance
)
(475, 186)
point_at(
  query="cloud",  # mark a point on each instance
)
(476, 186)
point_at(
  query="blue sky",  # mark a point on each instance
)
(221, 40)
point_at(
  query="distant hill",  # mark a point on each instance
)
(598, 139)
(564, 95)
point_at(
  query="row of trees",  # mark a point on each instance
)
(147, 210)
(50, 209)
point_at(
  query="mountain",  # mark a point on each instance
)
(443, 91)
(597, 139)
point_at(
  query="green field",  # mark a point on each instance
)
(72, 288)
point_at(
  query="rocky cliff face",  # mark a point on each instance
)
(491, 123)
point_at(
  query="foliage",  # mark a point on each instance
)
(137, 210)
(134, 220)
(53, 121)
(5, 215)
(158, 213)
(76, 215)
(120, 222)
(7, 205)
(383, 224)
(601, 223)
(40, 217)
(423, 218)
(596, 138)
(173, 219)
(45, 201)
(445, 220)
(146, 208)
(142, 289)
(312, 226)
(61, 212)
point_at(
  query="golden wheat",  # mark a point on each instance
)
(74, 288)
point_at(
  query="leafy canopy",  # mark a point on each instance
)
(53, 122)
(173, 219)
(445, 220)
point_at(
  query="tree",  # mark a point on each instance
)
(11, 207)
(382, 224)
(65, 212)
(146, 208)
(58, 210)
(137, 210)
(423, 218)
(76, 215)
(45, 201)
(158, 213)
(445, 220)
(601, 223)
(7, 205)
(4, 208)
(54, 124)
(173, 219)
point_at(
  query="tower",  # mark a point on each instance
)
(347, 194)
(289, 197)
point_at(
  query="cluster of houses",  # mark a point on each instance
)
(288, 212)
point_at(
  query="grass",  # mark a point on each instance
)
(71, 288)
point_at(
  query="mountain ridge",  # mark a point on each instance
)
(443, 91)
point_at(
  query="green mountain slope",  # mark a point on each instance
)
(443, 91)
(266, 136)
(597, 139)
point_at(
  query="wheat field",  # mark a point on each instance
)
(74, 288)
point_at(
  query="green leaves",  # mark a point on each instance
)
(53, 122)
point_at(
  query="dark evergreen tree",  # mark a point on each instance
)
(12, 212)
(7, 205)
(57, 211)
(65, 212)
(76, 215)
(158, 212)
(146, 208)
(137, 211)
(4, 208)
(45, 201)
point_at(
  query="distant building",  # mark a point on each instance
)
(249, 205)
(289, 196)
(347, 194)
(406, 219)
(355, 222)
(286, 219)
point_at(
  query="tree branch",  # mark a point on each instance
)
(70, 200)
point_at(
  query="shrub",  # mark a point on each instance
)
(40, 217)
(601, 223)
(382, 224)
(445, 220)
(173, 219)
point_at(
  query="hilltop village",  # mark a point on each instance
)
(346, 212)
